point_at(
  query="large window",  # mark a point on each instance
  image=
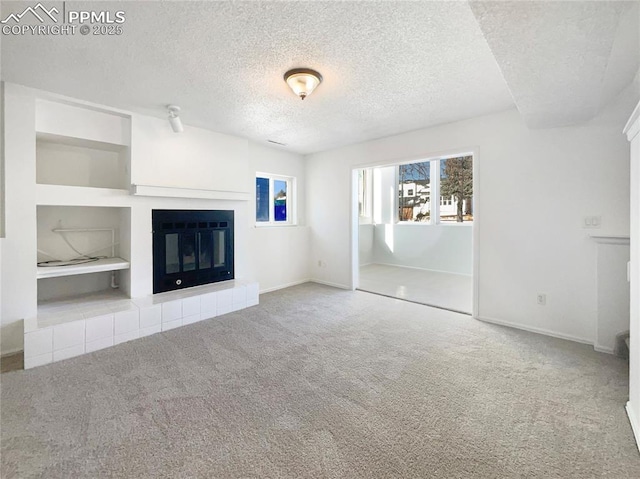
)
(448, 180)
(274, 199)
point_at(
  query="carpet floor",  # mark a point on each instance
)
(319, 382)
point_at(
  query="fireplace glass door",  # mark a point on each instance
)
(191, 247)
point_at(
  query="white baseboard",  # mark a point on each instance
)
(327, 283)
(603, 349)
(533, 329)
(635, 427)
(421, 269)
(282, 286)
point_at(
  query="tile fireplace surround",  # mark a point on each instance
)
(75, 326)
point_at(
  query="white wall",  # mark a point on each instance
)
(365, 243)
(613, 293)
(196, 158)
(526, 245)
(279, 253)
(18, 267)
(444, 248)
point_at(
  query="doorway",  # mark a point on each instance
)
(415, 231)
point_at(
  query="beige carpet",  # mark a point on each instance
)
(318, 382)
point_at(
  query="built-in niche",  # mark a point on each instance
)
(78, 162)
(82, 250)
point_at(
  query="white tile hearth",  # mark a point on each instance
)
(88, 323)
(171, 311)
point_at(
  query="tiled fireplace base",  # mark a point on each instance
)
(64, 329)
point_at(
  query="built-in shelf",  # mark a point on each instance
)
(106, 264)
(170, 192)
(61, 195)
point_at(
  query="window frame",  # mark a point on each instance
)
(435, 216)
(291, 200)
(366, 215)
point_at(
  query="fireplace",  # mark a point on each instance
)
(191, 247)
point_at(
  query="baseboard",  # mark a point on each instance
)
(10, 352)
(602, 349)
(532, 329)
(633, 420)
(282, 286)
(421, 269)
(327, 283)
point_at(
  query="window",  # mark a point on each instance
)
(364, 193)
(456, 186)
(414, 190)
(450, 180)
(274, 199)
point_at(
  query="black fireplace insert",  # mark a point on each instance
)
(191, 247)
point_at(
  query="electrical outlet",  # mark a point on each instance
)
(542, 299)
(592, 221)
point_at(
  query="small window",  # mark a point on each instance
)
(274, 199)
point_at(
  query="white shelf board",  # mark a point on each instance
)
(106, 264)
(62, 195)
(171, 192)
(82, 142)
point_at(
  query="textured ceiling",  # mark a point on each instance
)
(388, 67)
(562, 60)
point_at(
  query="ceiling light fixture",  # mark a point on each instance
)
(303, 81)
(174, 119)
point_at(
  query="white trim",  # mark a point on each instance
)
(354, 230)
(475, 233)
(603, 349)
(532, 329)
(633, 420)
(283, 286)
(333, 285)
(632, 128)
(171, 192)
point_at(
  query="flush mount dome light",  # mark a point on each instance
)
(303, 81)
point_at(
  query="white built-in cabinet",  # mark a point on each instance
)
(632, 130)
